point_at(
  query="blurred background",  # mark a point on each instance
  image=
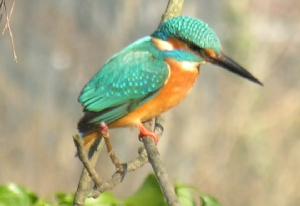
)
(230, 138)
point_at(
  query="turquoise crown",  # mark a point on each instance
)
(190, 30)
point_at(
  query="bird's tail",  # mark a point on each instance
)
(89, 138)
(89, 131)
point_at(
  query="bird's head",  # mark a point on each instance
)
(185, 32)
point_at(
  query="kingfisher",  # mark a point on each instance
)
(150, 76)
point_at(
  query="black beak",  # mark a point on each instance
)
(227, 63)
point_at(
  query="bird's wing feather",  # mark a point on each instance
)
(124, 83)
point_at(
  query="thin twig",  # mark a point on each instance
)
(173, 9)
(7, 26)
(89, 173)
(1, 6)
(84, 159)
(84, 186)
(158, 167)
(113, 157)
(117, 177)
(132, 165)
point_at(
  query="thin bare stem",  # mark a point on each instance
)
(7, 26)
(84, 186)
(117, 177)
(158, 167)
(115, 160)
(173, 9)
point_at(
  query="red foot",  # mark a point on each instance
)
(145, 132)
(103, 128)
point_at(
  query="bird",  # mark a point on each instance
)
(150, 76)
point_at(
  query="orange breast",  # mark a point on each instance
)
(177, 87)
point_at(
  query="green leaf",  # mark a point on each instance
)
(149, 194)
(190, 196)
(64, 199)
(106, 199)
(13, 194)
(185, 195)
(208, 200)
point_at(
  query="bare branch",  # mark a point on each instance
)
(173, 9)
(7, 25)
(157, 165)
(89, 172)
(83, 187)
(118, 177)
(84, 159)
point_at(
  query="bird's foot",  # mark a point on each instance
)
(144, 132)
(104, 130)
(121, 168)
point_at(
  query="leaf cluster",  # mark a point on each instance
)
(149, 194)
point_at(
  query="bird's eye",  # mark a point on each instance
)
(193, 47)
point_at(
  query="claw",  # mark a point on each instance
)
(144, 132)
(124, 171)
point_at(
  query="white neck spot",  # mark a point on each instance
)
(190, 66)
(162, 45)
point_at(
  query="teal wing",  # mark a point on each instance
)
(128, 80)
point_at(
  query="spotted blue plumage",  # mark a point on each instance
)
(129, 75)
(127, 80)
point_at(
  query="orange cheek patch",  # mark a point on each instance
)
(178, 44)
(210, 53)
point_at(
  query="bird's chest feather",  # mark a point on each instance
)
(182, 78)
